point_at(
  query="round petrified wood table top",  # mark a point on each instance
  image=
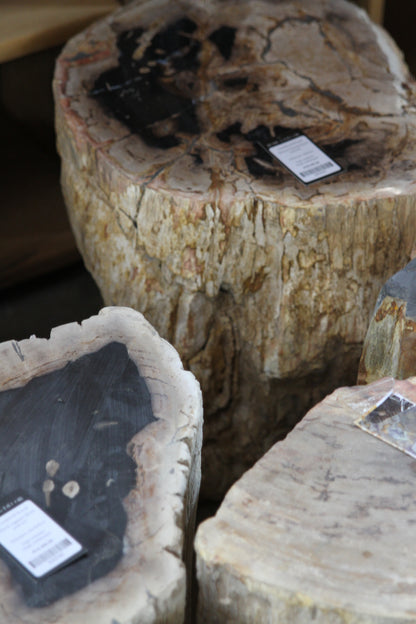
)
(321, 529)
(180, 94)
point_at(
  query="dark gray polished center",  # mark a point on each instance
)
(82, 417)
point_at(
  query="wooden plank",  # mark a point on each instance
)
(376, 10)
(27, 26)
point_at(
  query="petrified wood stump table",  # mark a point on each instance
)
(320, 529)
(101, 427)
(263, 284)
(390, 343)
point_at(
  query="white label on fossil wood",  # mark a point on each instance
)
(304, 159)
(393, 421)
(34, 539)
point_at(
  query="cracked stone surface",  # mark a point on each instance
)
(109, 444)
(263, 285)
(319, 530)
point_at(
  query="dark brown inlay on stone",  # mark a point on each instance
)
(64, 440)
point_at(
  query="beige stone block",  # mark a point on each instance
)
(320, 529)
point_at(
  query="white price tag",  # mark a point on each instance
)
(34, 539)
(304, 159)
(393, 421)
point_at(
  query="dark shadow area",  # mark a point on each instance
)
(36, 306)
(399, 21)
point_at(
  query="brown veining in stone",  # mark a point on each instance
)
(319, 529)
(187, 219)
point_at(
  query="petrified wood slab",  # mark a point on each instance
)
(101, 427)
(262, 284)
(390, 343)
(319, 530)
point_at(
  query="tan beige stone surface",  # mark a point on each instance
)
(264, 286)
(148, 585)
(320, 529)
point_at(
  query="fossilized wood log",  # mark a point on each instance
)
(101, 426)
(390, 343)
(319, 529)
(264, 286)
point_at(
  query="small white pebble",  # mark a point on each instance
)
(48, 487)
(126, 546)
(71, 489)
(52, 467)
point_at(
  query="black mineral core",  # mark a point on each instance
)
(139, 93)
(143, 94)
(82, 417)
(223, 38)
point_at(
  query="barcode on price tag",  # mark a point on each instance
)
(304, 159)
(34, 539)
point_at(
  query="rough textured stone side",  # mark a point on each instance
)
(390, 342)
(148, 584)
(320, 529)
(255, 279)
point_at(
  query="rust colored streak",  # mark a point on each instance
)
(255, 282)
(389, 309)
(407, 361)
